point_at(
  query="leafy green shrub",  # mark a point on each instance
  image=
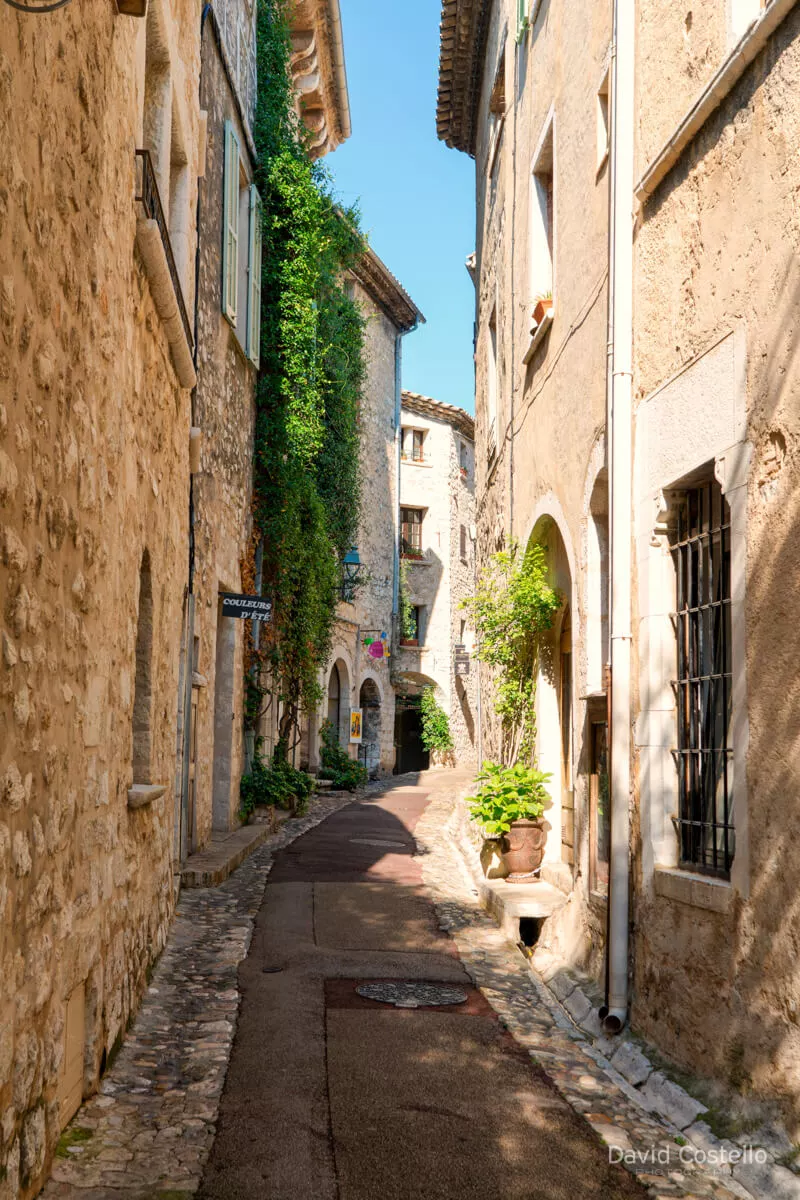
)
(512, 608)
(508, 794)
(278, 784)
(345, 772)
(436, 735)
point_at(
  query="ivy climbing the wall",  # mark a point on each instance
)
(306, 461)
(512, 608)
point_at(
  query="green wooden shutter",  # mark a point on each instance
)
(230, 225)
(522, 19)
(254, 279)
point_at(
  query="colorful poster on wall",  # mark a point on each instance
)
(355, 725)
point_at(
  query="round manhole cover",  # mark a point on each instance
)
(412, 995)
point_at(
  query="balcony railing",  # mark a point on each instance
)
(150, 201)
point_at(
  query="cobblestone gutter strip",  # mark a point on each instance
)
(586, 1079)
(148, 1132)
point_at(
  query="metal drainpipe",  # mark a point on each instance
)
(398, 406)
(620, 426)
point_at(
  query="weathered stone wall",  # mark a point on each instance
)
(224, 410)
(93, 471)
(550, 410)
(370, 614)
(719, 988)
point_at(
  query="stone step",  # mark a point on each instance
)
(225, 852)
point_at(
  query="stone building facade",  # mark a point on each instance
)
(437, 525)
(95, 411)
(126, 415)
(359, 676)
(669, 338)
(223, 420)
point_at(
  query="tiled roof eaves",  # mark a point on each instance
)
(426, 406)
(462, 36)
(387, 292)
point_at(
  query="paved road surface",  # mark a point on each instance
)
(330, 1096)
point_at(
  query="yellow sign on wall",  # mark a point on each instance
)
(355, 725)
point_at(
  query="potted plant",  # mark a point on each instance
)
(541, 307)
(509, 805)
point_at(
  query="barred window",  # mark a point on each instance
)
(701, 550)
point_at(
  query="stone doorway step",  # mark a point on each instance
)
(226, 851)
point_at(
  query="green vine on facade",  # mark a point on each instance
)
(407, 628)
(307, 470)
(436, 735)
(513, 606)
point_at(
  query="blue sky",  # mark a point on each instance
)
(416, 195)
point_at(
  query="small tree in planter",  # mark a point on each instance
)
(510, 805)
(436, 736)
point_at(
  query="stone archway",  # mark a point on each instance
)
(555, 698)
(369, 701)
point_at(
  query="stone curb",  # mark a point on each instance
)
(635, 1074)
(150, 1128)
(582, 1073)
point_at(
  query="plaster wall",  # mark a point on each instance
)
(439, 581)
(94, 437)
(716, 980)
(552, 409)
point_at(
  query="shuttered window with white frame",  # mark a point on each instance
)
(254, 279)
(230, 221)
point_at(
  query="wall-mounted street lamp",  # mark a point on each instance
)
(351, 575)
(36, 6)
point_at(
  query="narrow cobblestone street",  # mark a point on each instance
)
(333, 1094)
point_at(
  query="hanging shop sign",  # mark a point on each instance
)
(356, 725)
(246, 608)
(462, 661)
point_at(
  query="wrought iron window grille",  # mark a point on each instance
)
(700, 544)
(148, 196)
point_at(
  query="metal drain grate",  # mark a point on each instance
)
(413, 995)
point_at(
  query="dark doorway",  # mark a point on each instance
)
(411, 754)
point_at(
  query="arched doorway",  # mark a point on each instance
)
(369, 701)
(335, 701)
(555, 696)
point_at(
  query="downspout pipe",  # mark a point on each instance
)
(621, 452)
(398, 417)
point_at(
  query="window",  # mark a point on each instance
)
(463, 459)
(603, 126)
(413, 445)
(741, 14)
(542, 218)
(230, 226)
(491, 385)
(411, 532)
(412, 635)
(241, 273)
(522, 19)
(497, 115)
(463, 550)
(599, 808)
(143, 686)
(701, 550)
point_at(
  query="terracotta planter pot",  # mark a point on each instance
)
(523, 850)
(540, 311)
